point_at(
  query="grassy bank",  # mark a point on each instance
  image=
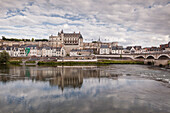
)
(15, 62)
(66, 63)
(120, 62)
(102, 62)
(30, 62)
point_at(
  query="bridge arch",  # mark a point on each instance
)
(163, 57)
(140, 57)
(150, 57)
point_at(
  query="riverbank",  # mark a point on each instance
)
(74, 63)
(70, 63)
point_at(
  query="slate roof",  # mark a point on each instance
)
(32, 46)
(104, 46)
(76, 35)
(117, 47)
(83, 50)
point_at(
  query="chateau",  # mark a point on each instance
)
(67, 40)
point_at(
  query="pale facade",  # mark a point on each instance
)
(104, 49)
(80, 52)
(117, 50)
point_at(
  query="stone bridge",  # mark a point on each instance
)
(144, 56)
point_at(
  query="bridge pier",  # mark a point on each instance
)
(161, 62)
(149, 61)
(156, 62)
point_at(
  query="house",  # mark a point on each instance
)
(22, 52)
(117, 50)
(2, 49)
(134, 49)
(33, 50)
(163, 46)
(60, 51)
(81, 52)
(46, 51)
(74, 52)
(104, 49)
(11, 50)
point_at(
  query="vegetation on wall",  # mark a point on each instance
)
(17, 40)
(14, 39)
(15, 62)
(30, 62)
(43, 40)
(101, 62)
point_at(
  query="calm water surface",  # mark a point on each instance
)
(78, 89)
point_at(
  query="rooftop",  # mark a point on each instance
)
(104, 46)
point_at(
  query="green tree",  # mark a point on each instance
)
(4, 57)
(3, 38)
(120, 56)
(32, 39)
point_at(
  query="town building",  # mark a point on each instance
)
(104, 49)
(133, 49)
(117, 50)
(95, 45)
(81, 52)
(33, 50)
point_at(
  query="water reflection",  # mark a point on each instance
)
(115, 88)
(56, 76)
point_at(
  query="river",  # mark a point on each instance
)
(84, 89)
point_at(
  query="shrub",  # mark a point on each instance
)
(15, 62)
(101, 62)
(30, 62)
(4, 57)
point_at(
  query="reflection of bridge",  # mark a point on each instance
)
(155, 55)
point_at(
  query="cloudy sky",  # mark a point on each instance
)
(130, 22)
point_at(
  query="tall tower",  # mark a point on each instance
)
(62, 37)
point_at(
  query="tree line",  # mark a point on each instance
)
(17, 40)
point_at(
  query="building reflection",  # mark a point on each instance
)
(63, 77)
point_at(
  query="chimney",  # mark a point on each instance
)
(62, 31)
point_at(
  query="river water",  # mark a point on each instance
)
(84, 89)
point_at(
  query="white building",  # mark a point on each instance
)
(60, 51)
(22, 51)
(13, 51)
(46, 51)
(33, 50)
(104, 49)
(117, 50)
(81, 52)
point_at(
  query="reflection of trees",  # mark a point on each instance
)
(4, 79)
(57, 76)
(4, 68)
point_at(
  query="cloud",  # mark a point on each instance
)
(132, 22)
